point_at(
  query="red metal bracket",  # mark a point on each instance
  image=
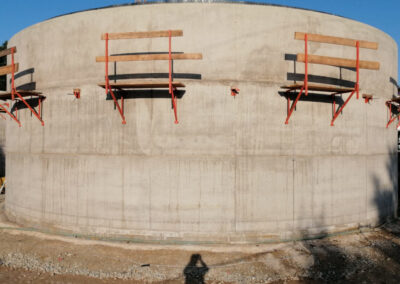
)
(4, 108)
(306, 64)
(392, 117)
(367, 98)
(357, 86)
(109, 90)
(291, 109)
(304, 88)
(14, 92)
(336, 114)
(171, 89)
(234, 91)
(77, 93)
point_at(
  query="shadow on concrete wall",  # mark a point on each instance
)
(116, 76)
(191, 76)
(2, 162)
(33, 102)
(149, 93)
(313, 97)
(2, 165)
(30, 86)
(324, 80)
(334, 263)
(295, 76)
(395, 87)
(385, 198)
(146, 94)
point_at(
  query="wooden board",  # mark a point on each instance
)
(23, 93)
(153, 34)
(335, 61)
(144, 57)
(336, 40)
(322, 88)
(142, 85)
(7, 51)
(8, 69)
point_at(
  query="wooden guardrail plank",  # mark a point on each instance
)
(336, 40)
(8, 69)
(7, 51)
(142, 84)
(342, 62)
(145, 57)
(153, 34)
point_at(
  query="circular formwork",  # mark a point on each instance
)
(231, 170)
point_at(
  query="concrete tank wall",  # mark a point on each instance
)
(231, 170)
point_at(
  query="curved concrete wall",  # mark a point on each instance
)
(231, 170)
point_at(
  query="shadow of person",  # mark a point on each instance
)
(195, 270)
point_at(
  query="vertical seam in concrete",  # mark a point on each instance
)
(366, 163)
(236, 141)
(150, 224)
(293, 201)
(123, 192)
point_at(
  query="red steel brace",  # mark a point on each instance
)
(171, 88)
(12, 74)
(109, 90)
(31, 109)
(305, 86)
(341, 108)
(10, 114)
(14, 92)
(357, 87)
(390, 117)
(306, 64)
(290, 111)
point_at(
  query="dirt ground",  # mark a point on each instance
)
(28, 256)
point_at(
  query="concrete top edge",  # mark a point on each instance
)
(237, 2)
(153, 2)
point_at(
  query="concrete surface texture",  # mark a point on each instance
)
(231, 170)
(2, 146)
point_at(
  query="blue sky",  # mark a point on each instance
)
(16, 15)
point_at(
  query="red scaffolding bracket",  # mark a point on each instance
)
(18, 95)
(3, 108)
(367, 98)
(393, 111)
(333, 61)
(77, 93)
(171, 85)
(234, 91)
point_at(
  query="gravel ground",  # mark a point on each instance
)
(34, 257)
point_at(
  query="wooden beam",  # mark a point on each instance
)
(336, 40)
(323, 88)
(130, 35)
(142, 84)
(23, 93)
(7, 51)
(335, 61)
(8, 69)
(145, 57)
